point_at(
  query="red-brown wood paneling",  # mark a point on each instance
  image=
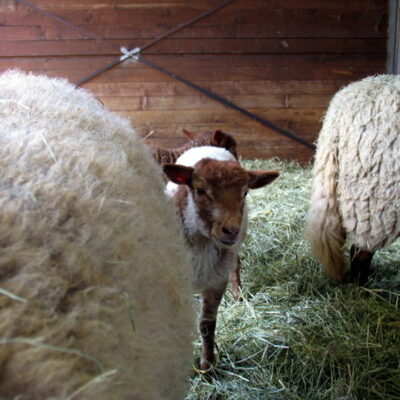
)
(280, 59)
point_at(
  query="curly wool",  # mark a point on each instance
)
(95, 295)
(356, 188)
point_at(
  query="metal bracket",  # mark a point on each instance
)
(134, 53)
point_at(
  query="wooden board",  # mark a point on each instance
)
(280, 59)
(83, 47)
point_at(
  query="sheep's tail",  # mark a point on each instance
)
(324, 226)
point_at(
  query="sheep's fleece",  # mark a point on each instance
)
(356, 190)
(95, 296)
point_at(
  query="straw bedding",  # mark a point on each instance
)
(295, 335)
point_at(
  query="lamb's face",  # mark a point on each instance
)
(217, 196)
(218, 190)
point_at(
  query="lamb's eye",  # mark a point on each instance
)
(200, 191)
(245, 193)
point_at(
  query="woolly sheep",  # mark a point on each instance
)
(95, 295)
(356, 188)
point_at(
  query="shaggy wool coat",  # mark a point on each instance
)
(356, 188)
(95, 299)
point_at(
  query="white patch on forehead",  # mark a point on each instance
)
(192, 156)
(195, 154)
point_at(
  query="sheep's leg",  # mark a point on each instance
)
(360, 263)
(235, 280)
(208, 319)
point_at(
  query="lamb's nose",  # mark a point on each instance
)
(231, 233)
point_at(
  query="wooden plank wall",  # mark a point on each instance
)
(281, 59)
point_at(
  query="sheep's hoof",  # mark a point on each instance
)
(360, 264)
(359, 278)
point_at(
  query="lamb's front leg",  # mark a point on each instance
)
(208, 319)
(235, 280)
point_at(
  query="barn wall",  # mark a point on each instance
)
(281, 59)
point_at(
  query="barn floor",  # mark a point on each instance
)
(294, 335)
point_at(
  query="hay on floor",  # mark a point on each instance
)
(295, 335)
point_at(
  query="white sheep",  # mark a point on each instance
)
(356, 188)
(208, 186)
(95, 294)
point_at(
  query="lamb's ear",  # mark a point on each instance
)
(190, 135)
(218, 138)
(179, 174)
(260, 178)
(222, 139)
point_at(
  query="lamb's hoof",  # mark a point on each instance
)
(236, 294)
(206, 364)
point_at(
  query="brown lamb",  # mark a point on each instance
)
(208, 138)
(208, 186)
